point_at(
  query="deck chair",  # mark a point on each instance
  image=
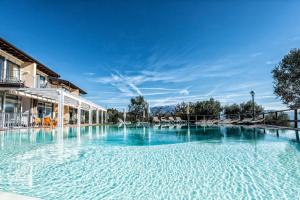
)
(164, 120)
(156, 120)
(179, 120)
(47, 121)
(37, 121)
(171, 119)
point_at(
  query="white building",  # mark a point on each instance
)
(31, 94)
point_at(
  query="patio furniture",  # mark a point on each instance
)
(156, 120)
(122, 122)
(245, 121)
(164, 120)
(258, 121)
(54, 123)
(47, 121)
(179, 120)
(37, 121)
(171, 119)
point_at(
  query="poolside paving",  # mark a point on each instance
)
(13, 196)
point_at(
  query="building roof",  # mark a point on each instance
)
(11, 49)
(66, 83)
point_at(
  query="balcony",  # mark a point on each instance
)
(11, 81)
(10, 74)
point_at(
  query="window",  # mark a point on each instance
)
(12, 71)
(48, 109)
(41, 81)
(44, 109)
(1, 67)
(12, 104)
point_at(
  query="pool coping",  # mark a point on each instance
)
(262, 126)
(14, 196)
(47, 127)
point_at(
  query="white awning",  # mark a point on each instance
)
(53, 95)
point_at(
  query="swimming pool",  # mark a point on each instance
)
(110, 162)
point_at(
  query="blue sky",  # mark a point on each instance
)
(168, 51)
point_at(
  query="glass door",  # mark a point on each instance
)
(12, 104)
(12, 72)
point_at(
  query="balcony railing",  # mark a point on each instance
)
(22, 120)
(11, 79)
(42, 85)
(11, 120)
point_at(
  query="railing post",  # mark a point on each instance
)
(90, 117)
(4, 69)
(79, 114)
(97, 116)
(60, 108)
(295, 118)
(3, 119)
(3, 109)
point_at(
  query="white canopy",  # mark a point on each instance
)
(62, 98)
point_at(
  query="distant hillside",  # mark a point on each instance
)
(163, 109)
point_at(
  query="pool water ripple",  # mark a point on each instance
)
(182, 166)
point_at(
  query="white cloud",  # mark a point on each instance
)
(271, 62)
(125, 84)
(184, 92)
(158, 88)
(89, 74)
(227, 80)
(256, 54)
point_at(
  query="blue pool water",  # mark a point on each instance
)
(110, 162)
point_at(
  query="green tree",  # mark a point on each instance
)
(113, 115)
(287, 79)
(211, 108)
(246, 109)
(281, 120)
(232, 111)
(137, 107)
(181, 110)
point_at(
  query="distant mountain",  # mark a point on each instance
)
(163, 109)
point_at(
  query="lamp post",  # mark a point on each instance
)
(149, 111)
(124, 115)
(188, 112)
(253, 105)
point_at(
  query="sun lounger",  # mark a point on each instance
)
(258, 121)
(54, 122)
(171, 119)
(47, 121)
(215, 121)
(121, 122)
(228, 121)
(164, 120)
(179, 120)
(37, 121)
(201, 122)
(156, 120)
(245, 121)
(209, 122)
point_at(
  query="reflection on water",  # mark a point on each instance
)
(108, 162)
(138, 136)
